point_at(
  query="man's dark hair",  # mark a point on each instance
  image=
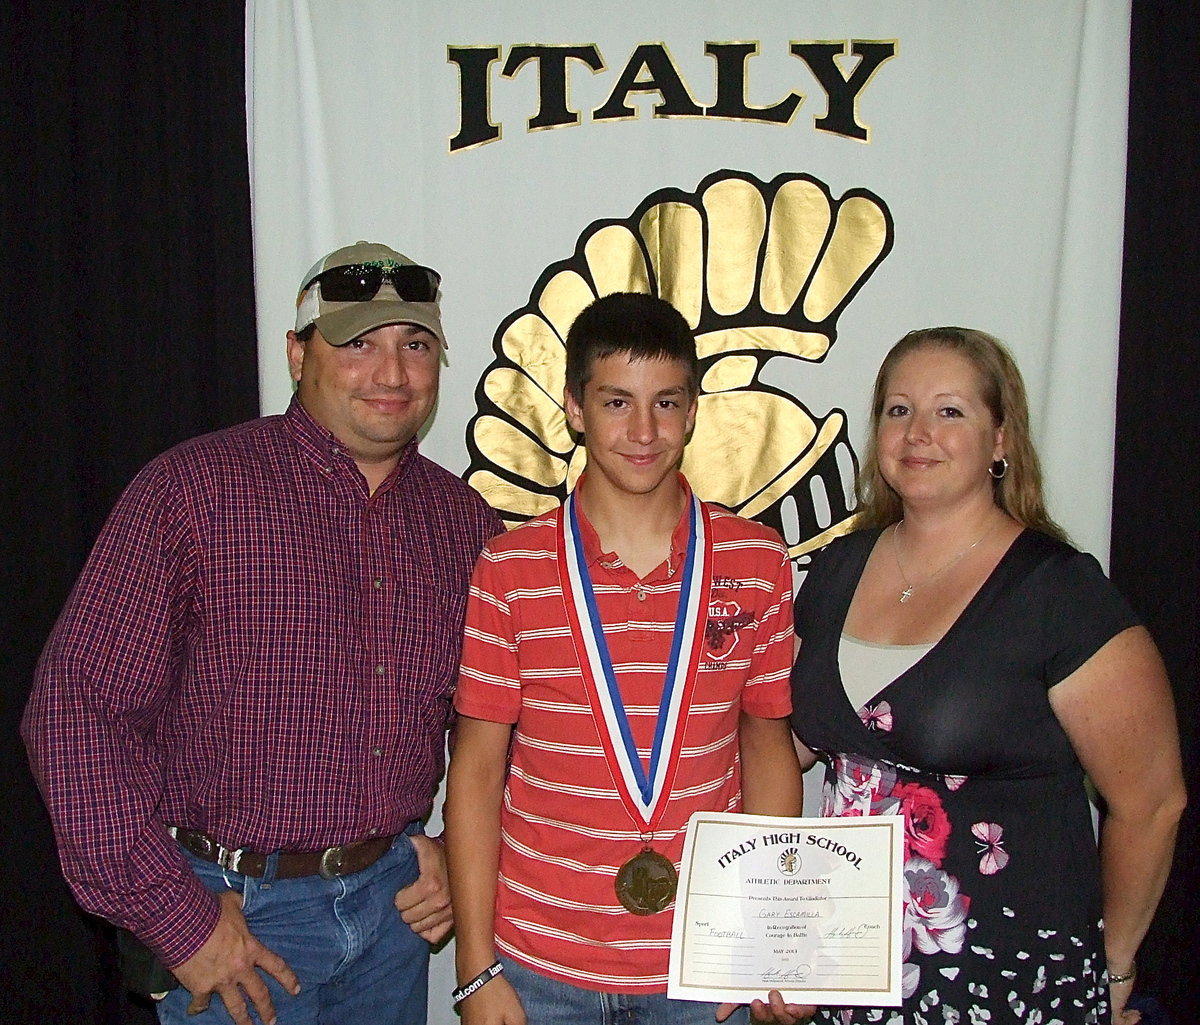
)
(642, 326)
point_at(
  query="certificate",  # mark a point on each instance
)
(810, 907)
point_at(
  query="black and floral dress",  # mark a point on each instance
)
(1002, 918)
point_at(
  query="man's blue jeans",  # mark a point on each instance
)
(550, 1002)
(358, 963)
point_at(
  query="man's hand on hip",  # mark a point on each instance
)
(228, 965)
(425, 904)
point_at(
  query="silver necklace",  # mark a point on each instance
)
(908, 585)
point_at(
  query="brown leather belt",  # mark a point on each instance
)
(328, 864)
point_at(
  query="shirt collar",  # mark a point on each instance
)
(324, 449)
(594, 553)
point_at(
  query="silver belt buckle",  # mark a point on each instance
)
(229, 859)
(331, 862)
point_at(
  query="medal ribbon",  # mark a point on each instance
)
(643, 794)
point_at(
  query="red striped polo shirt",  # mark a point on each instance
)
(564, 829)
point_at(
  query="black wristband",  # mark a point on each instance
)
(484, 977)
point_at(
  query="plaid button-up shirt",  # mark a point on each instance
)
(256, 648)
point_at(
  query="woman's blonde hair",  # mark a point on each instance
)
(1019, 491)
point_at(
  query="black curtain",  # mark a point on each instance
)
(1156, 527)
(127, 325)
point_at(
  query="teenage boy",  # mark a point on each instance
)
(625, 664)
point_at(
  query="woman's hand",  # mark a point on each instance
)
(1118, 994)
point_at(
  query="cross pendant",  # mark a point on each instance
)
(905, 594)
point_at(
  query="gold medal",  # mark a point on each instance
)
(646, 883)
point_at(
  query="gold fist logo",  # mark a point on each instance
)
(761, 271)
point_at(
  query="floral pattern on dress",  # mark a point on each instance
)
(935, 908)
(935, 912)
(862, 788)
(926, 824)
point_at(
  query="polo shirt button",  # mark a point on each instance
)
(641, 594)
(380, 669)
(377, 751)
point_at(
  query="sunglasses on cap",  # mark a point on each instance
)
(361, 282)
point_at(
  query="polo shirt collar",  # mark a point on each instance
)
(595, 554)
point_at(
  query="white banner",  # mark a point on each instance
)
(491, 140)
(806, 181)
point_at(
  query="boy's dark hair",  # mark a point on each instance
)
(643, 326)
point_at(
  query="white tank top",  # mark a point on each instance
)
(867, 668)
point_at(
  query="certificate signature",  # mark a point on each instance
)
(810, 907)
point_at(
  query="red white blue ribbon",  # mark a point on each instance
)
(643, 790)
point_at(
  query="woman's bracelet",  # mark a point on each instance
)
(484, 977)
(1118, 978)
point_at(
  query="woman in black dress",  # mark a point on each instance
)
(962, 665)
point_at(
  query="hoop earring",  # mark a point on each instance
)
(1003, 464)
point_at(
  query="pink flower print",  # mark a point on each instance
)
(877, 717)
(989, 838)
(934, 908)
(926, 825)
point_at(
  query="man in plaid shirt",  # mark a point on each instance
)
(238, 722)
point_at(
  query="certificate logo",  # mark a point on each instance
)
(789, 862)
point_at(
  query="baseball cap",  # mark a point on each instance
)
(358, 288)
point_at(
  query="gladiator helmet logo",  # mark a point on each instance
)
(789, 862)
(761, 271)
